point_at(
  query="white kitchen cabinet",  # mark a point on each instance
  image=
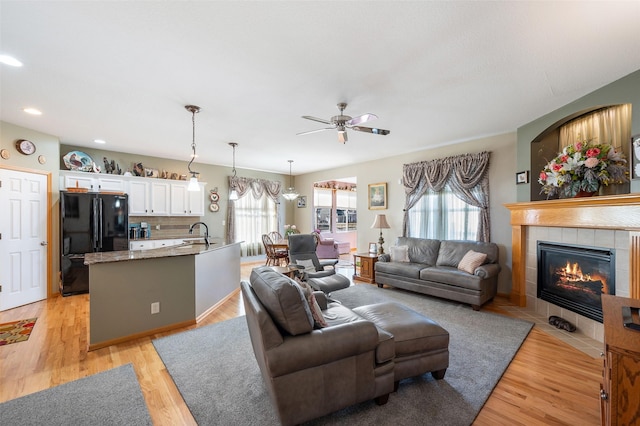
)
(138, 198)
(186, 203)
(160, 198)
(94, 182)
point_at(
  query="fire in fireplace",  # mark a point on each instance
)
(574, 277)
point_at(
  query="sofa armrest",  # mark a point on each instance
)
(321, 298)
(327, 242)
(487, 271)
(386, 257)
(322, 347)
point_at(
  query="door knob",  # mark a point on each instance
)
(43, 243)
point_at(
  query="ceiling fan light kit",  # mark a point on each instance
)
(343, 122)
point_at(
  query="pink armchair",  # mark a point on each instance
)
(327, 247)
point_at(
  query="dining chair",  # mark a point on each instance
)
(274, 257)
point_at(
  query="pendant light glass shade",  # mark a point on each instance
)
(193, 181)
(233, 194)
(290, 194)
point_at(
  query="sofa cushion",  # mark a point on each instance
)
(452, 276)
(451, 251)
(402, 269)
(283, 298)
(471, 261)
(400, 254)
(421, 250)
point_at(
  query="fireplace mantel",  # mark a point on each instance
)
(605, 212)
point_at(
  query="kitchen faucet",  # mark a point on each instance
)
(206, 231)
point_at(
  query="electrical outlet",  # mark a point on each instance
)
(155, 307)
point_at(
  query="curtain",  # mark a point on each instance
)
(259, 207)
(467, 177)
(611, 125)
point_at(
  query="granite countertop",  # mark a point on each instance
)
(186, 249)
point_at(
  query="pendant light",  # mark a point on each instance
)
(290, 194)
(193, 181)
(233, 194)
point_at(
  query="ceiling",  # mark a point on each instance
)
(435, 73)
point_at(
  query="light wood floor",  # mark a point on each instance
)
(548, 382)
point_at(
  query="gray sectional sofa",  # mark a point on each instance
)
(431, 267)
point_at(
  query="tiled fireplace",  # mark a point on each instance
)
(608, 222)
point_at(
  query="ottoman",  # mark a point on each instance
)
(421, 345)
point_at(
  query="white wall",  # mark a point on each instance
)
(501, 183)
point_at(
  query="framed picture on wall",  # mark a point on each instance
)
(302, 201)
(635, 153)
(377, 196)
(522, 177)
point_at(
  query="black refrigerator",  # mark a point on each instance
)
(89, 222)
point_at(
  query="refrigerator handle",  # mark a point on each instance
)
(95, 224)
(100, 222)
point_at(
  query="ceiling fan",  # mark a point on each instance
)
(343, 122)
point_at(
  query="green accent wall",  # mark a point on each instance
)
(622, 91)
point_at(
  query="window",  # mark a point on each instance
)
(323, 204)
(347, 218)
(254, 218)
(443, 216)
(338, 204)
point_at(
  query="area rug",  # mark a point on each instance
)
(216, 372)
(112, 397)
(16, 331)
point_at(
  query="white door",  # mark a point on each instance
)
(23, 230)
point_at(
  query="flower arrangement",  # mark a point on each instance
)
(290, 229)
(583, 167)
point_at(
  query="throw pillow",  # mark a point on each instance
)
(400, 254)
(471, 261)
(316, 312)
(307, 264)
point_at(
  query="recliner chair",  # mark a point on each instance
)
(302, 252)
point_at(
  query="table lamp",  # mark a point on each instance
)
(380, 223)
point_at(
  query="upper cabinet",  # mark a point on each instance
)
(147, 196)
(94, 182)
(186, 203)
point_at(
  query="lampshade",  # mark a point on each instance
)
(193, 184)
(380, 222)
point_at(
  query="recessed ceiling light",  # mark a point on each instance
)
(32, 111)
(9, 60)
(101, 141)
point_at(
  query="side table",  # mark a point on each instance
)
(364, 267)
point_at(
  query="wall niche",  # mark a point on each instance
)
(547, 144)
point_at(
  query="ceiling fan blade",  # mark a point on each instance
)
(373, 130)
(321, 120)
(361, 119)
(342, 136)
(314, 131)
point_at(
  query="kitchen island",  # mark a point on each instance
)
(135, 293)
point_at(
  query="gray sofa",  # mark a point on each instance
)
(432, 268)
(359, 354)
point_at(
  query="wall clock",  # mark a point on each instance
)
(25, 147)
